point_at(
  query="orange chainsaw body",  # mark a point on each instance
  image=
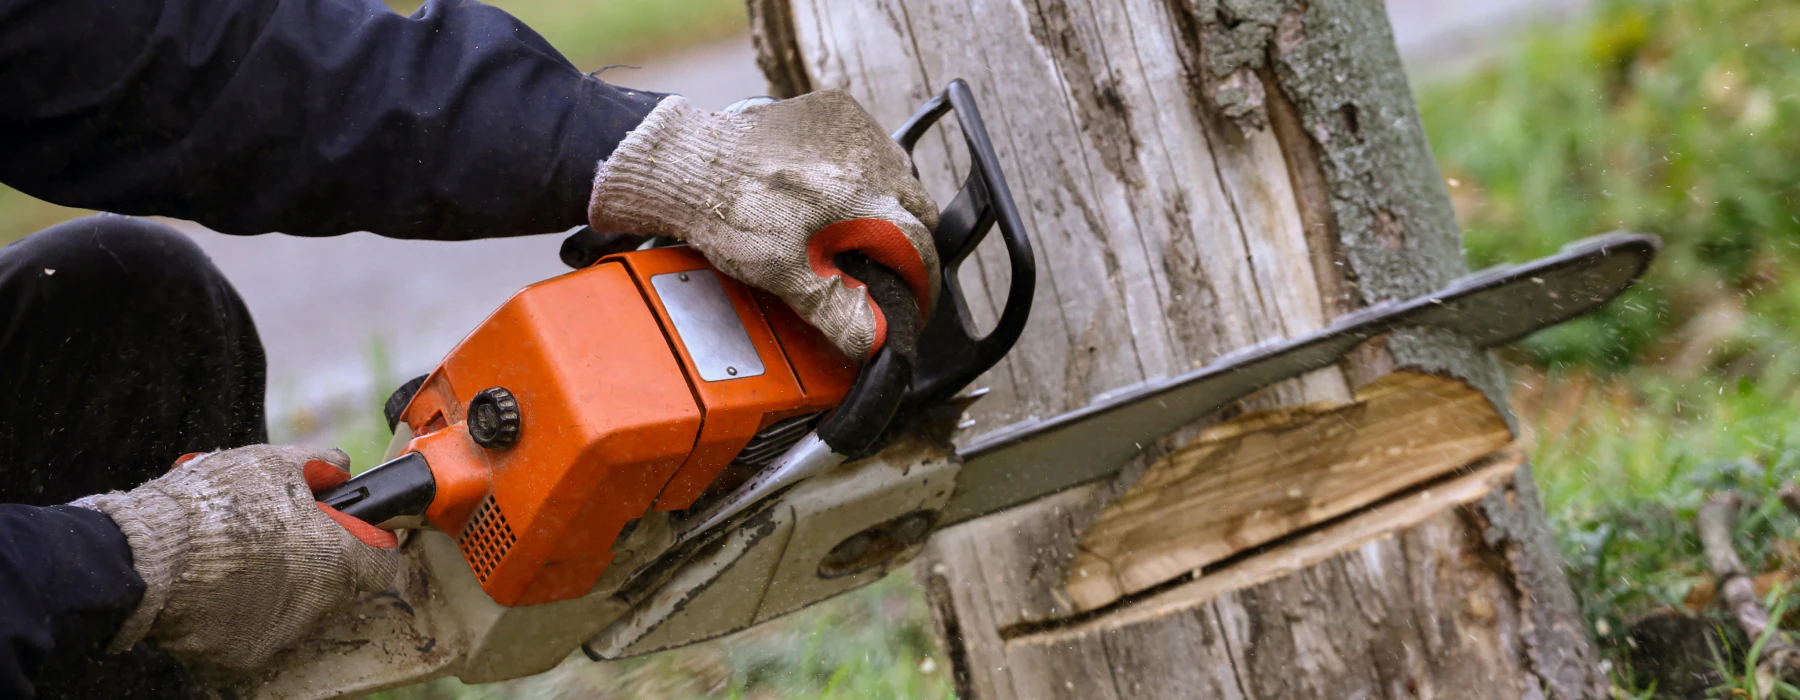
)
(624, 405)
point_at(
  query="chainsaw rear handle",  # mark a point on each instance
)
(400, 487)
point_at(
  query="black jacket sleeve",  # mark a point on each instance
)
(66, 585)
(309, 117)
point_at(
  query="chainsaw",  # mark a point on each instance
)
(644, 453)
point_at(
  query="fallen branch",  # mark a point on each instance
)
(1715, 523)
(1790, 497)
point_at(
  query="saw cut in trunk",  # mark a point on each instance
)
(1259, 478)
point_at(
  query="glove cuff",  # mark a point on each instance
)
(156, 527)
(670, 174)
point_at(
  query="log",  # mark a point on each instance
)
(1200, 175)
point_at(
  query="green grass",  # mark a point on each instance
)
(1624, 465)
(874, 643)
(1673, 117)
(1679, 118)
(21, 214)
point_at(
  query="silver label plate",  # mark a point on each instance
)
(707, 325)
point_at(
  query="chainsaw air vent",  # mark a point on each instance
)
(774, 440)
(486, 539)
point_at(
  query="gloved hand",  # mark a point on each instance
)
(237, 558)
(771, 195)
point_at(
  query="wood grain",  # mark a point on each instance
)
(1399, 602)
(1262, 476)
(1391, 518)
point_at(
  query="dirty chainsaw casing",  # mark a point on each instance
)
(644, 453)
(621, 387)
(629, 386)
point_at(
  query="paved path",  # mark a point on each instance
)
(323, 304)
(1439, 37)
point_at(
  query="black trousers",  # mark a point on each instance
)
(121, 348)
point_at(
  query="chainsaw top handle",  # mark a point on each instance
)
(907, 376)
(950, 353)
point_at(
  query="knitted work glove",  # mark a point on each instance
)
(771, 195)
(237, 558)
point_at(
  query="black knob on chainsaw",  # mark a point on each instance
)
(494, 418)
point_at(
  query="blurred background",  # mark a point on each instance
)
(1551, 120)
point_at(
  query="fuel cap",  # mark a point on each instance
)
(494, 418)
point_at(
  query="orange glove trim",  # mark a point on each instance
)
(321, 475)
(885, 244)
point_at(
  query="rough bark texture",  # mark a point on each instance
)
(1200, 175)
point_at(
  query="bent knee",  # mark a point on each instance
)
(120, 249)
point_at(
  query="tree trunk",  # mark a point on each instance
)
(1200, 175)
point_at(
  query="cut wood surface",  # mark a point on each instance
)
(1368, 529)
(1259, 477)
(1393, 602)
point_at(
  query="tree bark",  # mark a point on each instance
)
(1200, 175)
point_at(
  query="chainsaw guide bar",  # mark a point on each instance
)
(1029, 460)
(1012, 466)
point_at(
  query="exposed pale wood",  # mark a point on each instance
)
(1399, 602)
(1389, 519)
(1262, 476)
(1200, 175)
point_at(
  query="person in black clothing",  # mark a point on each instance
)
(124, 351)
